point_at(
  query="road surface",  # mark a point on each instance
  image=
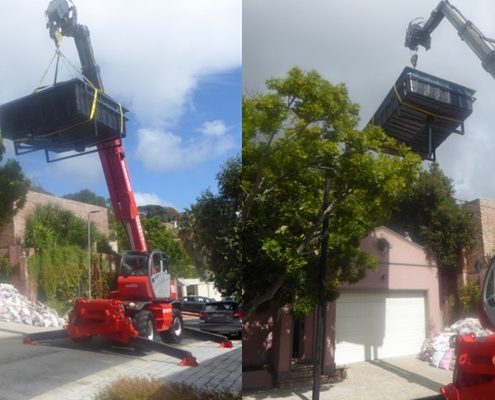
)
(63, 369)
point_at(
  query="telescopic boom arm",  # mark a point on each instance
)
(62, 21)
(419, 34)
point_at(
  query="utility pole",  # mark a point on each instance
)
(321, 309)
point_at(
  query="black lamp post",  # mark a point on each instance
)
(321, 309)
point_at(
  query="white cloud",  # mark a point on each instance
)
(213, 128)
(151, 53)
(83, 171)
(163, 151)
(144, 199)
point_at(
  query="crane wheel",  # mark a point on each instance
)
(174, 334)
(143, 323)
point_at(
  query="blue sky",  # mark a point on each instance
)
(175, 64)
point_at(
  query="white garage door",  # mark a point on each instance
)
(372, 325)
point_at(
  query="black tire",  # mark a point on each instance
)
(174, 334)
(143, 323)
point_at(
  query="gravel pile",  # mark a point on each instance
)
(437, 350)
(14, 307)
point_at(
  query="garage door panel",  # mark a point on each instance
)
(364, 325)
(378, 324)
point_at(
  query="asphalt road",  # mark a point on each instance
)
(27, 371)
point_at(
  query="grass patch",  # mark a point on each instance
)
(154, 389)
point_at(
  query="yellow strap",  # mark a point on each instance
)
(121, 110)
(421, 110)
(93, 107)
(58, 37)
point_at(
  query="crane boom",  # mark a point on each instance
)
(419, 34)
(62, 21)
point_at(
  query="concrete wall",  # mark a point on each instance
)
(484, 217)
(266, 349)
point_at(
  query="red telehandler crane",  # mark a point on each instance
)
(143, 306)
(474, 372)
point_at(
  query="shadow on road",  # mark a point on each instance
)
(409, 376)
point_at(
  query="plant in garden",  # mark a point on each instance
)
(154, 389)
(59, 265)
(302, 128)
(5, 268)
(470, 296)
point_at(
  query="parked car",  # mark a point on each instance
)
(221, 311)
(194, 303)
(222, 317)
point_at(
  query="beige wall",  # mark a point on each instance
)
(81, 210)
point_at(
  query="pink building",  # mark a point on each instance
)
(388, 313)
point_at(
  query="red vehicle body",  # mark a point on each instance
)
(142, 305)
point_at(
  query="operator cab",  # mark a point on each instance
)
(144, 276)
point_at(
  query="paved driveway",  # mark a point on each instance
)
(399, 378)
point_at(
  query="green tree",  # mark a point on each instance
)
(210, 231)
(301, 129)
(166, 214)
(87, 196)
(13, 188)
(428, 211)
(158, 237)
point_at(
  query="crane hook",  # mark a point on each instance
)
(414, 60)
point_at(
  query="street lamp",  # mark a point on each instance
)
(89, 251)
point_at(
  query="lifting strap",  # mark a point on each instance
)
(422, 110)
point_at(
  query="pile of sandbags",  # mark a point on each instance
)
(437, 350)
(14, 307)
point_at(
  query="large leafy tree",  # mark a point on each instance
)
(428, 211)
(300, 130)
(210, 231)
(160, 238)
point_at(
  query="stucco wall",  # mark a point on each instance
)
(81, 210)
(404, 266)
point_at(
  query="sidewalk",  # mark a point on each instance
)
(398, 378)
(218, 368)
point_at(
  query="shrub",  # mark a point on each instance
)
(154, 389)
(5, 268)
(469, 296)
